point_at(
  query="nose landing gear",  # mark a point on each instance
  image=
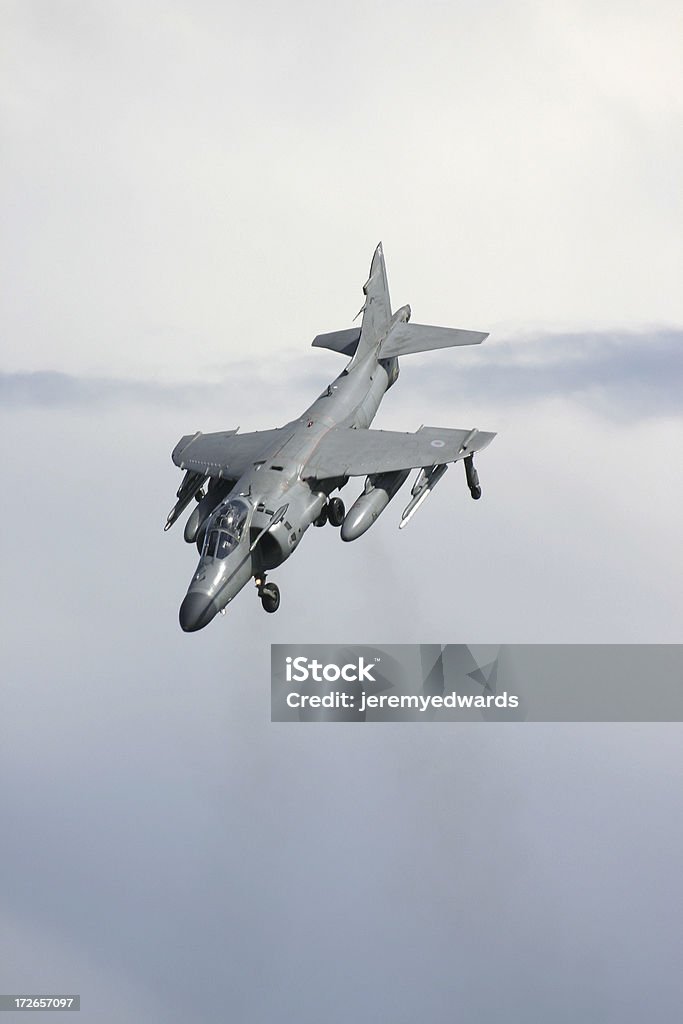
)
(269, 594)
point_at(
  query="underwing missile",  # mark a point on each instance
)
(189, 488)
(427, 480)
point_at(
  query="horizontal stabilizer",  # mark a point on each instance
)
(345, 342)
(404, 338)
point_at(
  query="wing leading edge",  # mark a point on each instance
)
(349, 452)
(226, 453)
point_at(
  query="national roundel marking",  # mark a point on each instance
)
(438, 444)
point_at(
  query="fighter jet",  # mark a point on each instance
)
(258, 493)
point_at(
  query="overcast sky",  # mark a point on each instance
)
(185, 182)
(191, 193)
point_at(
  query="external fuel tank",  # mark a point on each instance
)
(378, 492)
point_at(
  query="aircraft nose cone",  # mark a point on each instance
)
(196, 611)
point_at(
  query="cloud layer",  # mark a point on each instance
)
(634, 373)
(192, 192)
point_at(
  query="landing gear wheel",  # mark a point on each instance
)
(322, 518)
(475, 492)
(270, 597)
(335, 511)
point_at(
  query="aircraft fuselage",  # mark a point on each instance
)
(265, 488)
(276, 479)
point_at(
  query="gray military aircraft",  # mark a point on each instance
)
(258, 493)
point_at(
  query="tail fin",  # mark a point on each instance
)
(390, 336)
(377, 306)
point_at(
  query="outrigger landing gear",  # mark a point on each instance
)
(472, 477)
(269, 594)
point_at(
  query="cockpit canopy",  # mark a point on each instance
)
(226, 529)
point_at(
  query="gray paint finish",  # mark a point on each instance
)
(280, 481)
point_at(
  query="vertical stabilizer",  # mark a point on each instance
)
(377, 307)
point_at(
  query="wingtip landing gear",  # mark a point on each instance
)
(472, 477)
(269, 594)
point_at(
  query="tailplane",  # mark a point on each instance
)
(404, 338)
(390, 336)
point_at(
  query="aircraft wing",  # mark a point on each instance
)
(226, 453)
(349, 452)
